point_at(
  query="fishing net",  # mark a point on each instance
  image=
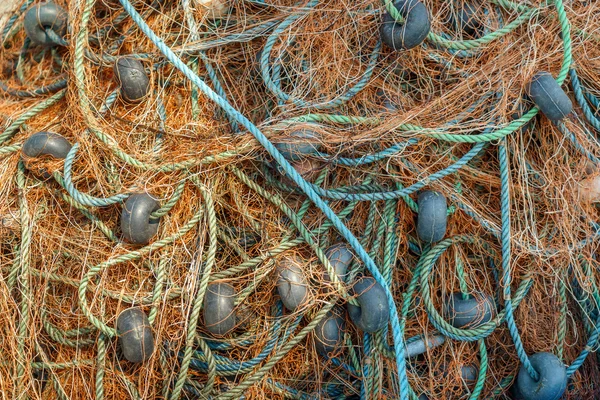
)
(166, 224)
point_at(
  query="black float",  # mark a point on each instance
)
(292, 285)
(433, 216)
(136, 224)
(470, 312)
(547, 94)
(414, 30)
(340, 257)
(329, 333)
(135, 335)
(46, 144)
(42, 16)
(373, 313)
(552, 381)
(131, 76)
(219, 305)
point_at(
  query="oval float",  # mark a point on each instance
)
(414, 30)
(472, 312)
(373, 313)
(551, 99)
(433, 216)
(329, 333)
(466, 21)
(135, 335)
(136, 224)
(292, 284)
(42, 16)
(46, 143)
(422, 344)
(302, 142)
(132, 78)
(219, 305)
(340, 257)
(553, 378)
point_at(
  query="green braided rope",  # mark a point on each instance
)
(160, 276)
(23, 281)
(13, 128)
(426, 262)
(199, 296)
(483, 366)
(212, 368)
(100, 360)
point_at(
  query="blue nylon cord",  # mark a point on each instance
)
(296, 177)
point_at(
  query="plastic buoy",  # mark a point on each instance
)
(472, 312)
(469, 373)
(42, 16)
(552, 381)
(46, 144)
(329, 333)
(414, 30)
(302, 142)
(136, 224)
(547, 94)
(292, 285)
(373, 313)
(418, 346)
(135, 335)
(466, 21)
(219, 305)
(433, 216)
(132, 78)
(340, 257)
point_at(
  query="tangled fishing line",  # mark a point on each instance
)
(307, 200)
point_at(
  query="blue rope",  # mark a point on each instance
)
(395, 194)
(579, 96)
(296, 177)
(506, 256)
(364, 390)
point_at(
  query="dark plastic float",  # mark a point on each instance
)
(42, 16)
(433, 216)
(136, 224)
(302, 142)
(292, 285)
(340, 257)
(373, 313)
(414, 30)
(219, 306)
(467, 21)
(46, 144)
(474, 311)
(552, 381)
(329, 333)
(550, 98)
(420, 345)
(132, 78)
(135, 335)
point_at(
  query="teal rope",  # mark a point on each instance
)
(337, 223)
(506, 279)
